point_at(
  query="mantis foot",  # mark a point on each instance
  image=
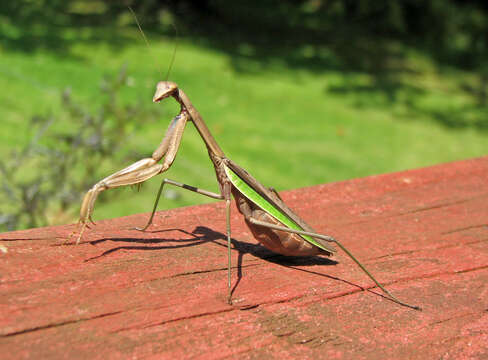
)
(84, 225)
(140, 228)
(146, 226)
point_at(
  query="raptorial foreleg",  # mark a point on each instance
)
(138, 172)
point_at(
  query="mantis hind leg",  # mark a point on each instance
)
(331, 239)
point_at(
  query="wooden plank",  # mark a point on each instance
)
(162, 294)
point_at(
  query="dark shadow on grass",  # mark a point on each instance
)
(337, 36)
(30, 26)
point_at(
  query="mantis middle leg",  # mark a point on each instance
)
(227, 196)
(181, 185)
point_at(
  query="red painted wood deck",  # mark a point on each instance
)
(162, 294)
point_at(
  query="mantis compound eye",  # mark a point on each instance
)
(163, 90)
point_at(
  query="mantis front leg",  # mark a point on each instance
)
(138, 172)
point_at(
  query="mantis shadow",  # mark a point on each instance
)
(201, 235)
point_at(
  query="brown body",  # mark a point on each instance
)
(280, 242)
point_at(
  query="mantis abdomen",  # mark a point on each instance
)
(281, 242)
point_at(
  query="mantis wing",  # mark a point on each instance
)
(272, 205)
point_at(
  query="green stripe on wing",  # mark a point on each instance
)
(265, 205)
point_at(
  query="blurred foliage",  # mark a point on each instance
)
(453, 30)
(336, 35)
(368, 43)
(78, 147)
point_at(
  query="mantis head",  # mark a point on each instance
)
(164, 89)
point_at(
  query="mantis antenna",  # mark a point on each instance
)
(174, 53)
(147, 44)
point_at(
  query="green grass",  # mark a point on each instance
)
(290, 127)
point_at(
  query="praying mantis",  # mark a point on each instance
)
(270, 220)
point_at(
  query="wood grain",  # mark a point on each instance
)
(162, 294)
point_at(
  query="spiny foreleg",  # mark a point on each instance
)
(138, 172)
